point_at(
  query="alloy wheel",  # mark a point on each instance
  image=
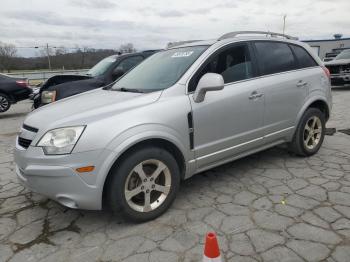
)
(312, 132)
(147, 185)
(4, 103)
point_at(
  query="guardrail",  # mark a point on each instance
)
(43, 75)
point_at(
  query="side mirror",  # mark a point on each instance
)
(117, 73)
(208, 82)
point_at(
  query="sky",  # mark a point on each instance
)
(150, 24)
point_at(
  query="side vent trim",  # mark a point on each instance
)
(190, 129)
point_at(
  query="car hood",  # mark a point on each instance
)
(75, 87)
(87, 107)
(60, 79)
(338, 62)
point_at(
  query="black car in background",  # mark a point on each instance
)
(12, 90)
(103, 73)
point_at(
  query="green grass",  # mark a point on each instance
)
(35, 82)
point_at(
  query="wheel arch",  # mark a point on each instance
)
(10, 96)
(160, 142)
(322, 106)
(316, 102)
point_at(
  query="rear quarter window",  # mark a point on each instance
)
(304, 58)
(274, 57)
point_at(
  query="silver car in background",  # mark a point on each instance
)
(180, 112)
(339, 69)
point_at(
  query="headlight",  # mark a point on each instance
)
(48, 97)
(60, 141)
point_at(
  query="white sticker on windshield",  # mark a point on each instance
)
(182, 54)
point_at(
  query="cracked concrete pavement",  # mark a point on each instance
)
(271, 206)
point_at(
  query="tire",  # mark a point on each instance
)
(124, 179)
(305, 143)
(4, 103)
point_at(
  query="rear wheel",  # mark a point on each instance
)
(144, 185)
(4, 103)
(310, 133)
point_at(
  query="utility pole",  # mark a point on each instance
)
(284, 23)
(48, 56)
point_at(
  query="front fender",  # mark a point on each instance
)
(133, 136)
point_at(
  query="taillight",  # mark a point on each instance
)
(326, 71)
(23, 83)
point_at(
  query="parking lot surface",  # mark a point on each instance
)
(271, 206)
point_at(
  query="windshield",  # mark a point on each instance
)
(101, 67)
(343, 55)
(161, 70)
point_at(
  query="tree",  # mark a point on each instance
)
(7, 54)
(84, 50)
(61, 50)
(127, 48)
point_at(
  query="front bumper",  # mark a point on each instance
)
(56, 178)
(340, 79)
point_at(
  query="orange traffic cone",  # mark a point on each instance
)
(211, 249)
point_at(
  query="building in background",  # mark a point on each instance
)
(329, 46)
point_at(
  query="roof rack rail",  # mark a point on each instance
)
(150, 50)
(173, 44)
(234, 34)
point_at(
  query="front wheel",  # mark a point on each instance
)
(4, 103)
(310, 133)
(144, 184)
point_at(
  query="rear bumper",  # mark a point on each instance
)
(21, 94)
(56, 176)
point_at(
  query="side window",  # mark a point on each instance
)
(129, 63)
(274, 57)
(233, 64)
(304, 58)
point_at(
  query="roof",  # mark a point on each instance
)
(145, 52)
(235, 35)
(234, 39)
(326, 40)
(194, 43)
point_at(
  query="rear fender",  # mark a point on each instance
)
(307, 104)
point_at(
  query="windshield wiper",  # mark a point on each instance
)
(133, 90)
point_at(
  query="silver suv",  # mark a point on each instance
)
(180, 112)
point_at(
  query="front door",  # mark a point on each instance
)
(228, 122)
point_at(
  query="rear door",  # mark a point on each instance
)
(310, 72)
(283, 85)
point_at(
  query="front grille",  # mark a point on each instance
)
(334, 69)
(345, 69)
(24, 142)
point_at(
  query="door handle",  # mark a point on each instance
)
(255, 95)
(301, 83)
